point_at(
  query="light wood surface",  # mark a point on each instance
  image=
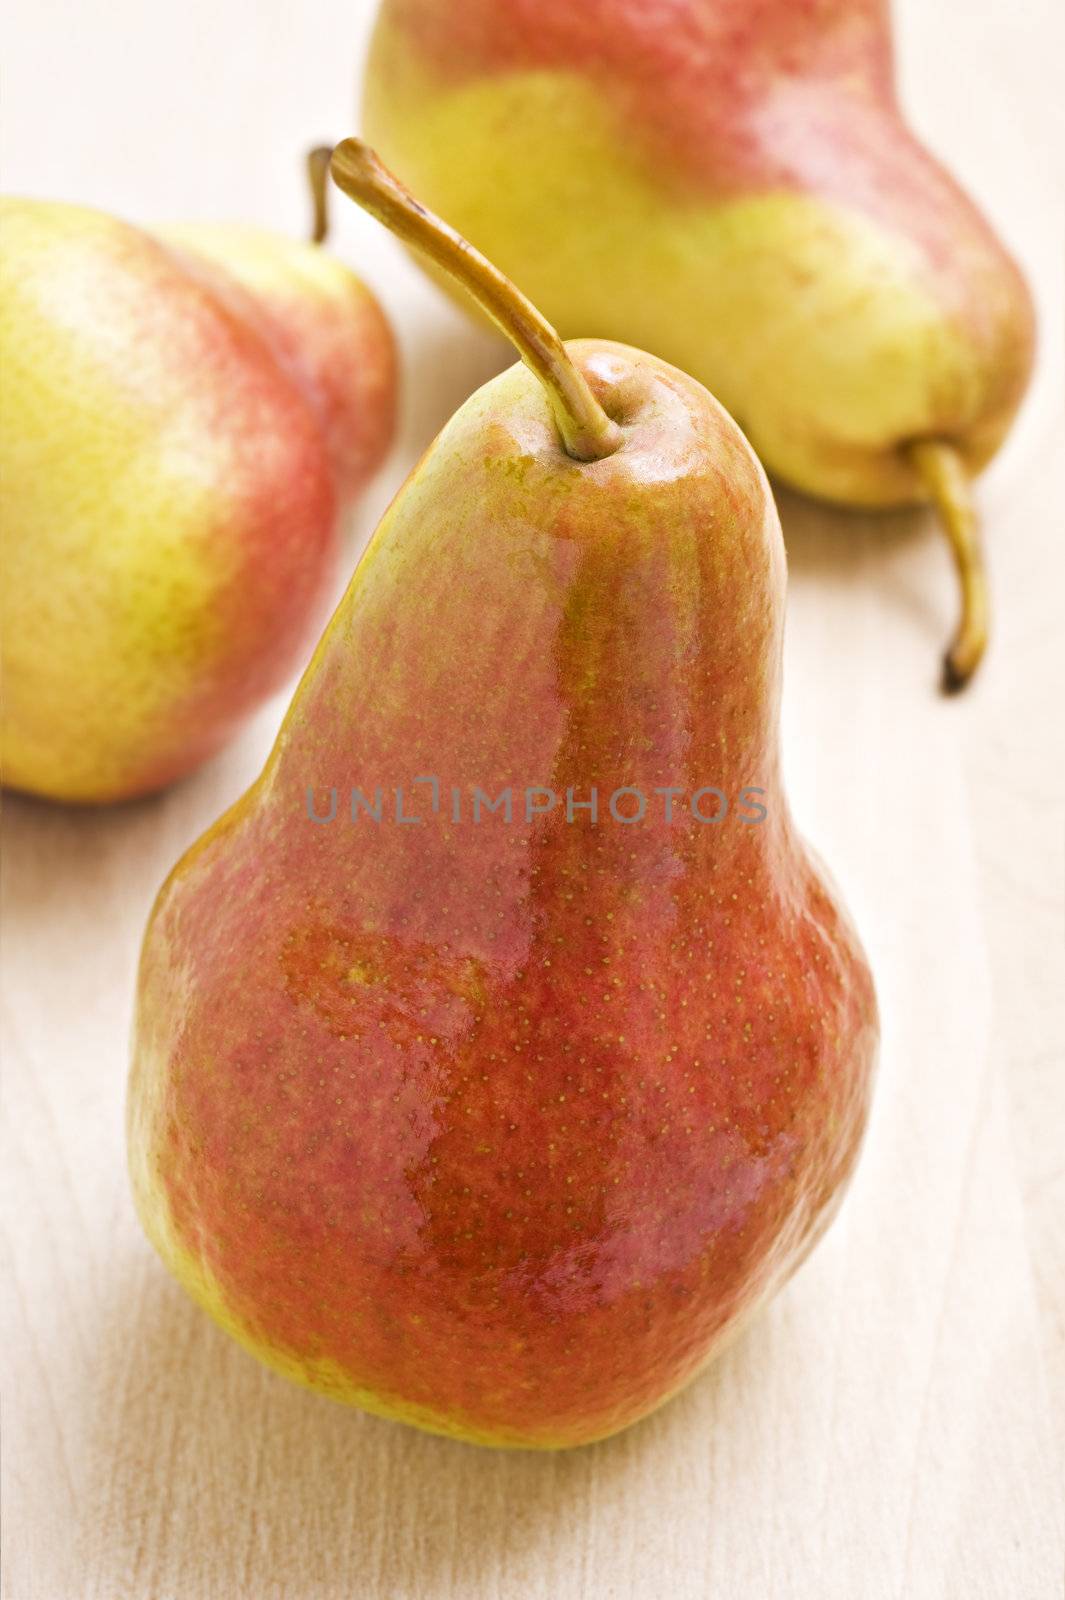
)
(888, 1428)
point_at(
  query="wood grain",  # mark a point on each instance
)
(888, 1428)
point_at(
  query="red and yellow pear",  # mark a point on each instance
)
(187, 416)
(495, 1096)
(731, 185)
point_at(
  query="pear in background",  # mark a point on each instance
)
(730, 184)
(186, 418)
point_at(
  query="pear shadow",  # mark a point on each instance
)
(900, 552)
(64, 865)
(227, 1479)
(63, 861)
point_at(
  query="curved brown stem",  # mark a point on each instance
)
(944, 474)
(587, 432)
(318, 177)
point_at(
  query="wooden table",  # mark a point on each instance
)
(887, 1429)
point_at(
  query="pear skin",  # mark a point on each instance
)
(502, 1120)
(184, 426)
(326, 328)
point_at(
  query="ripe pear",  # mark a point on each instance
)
(187, 417)
(731, 185)
(500, 1121)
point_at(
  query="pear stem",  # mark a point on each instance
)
(587, 432)
(945, 476)
(318, 178)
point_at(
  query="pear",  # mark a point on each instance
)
(504, 1047)
(187, 418)
(730, 184)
